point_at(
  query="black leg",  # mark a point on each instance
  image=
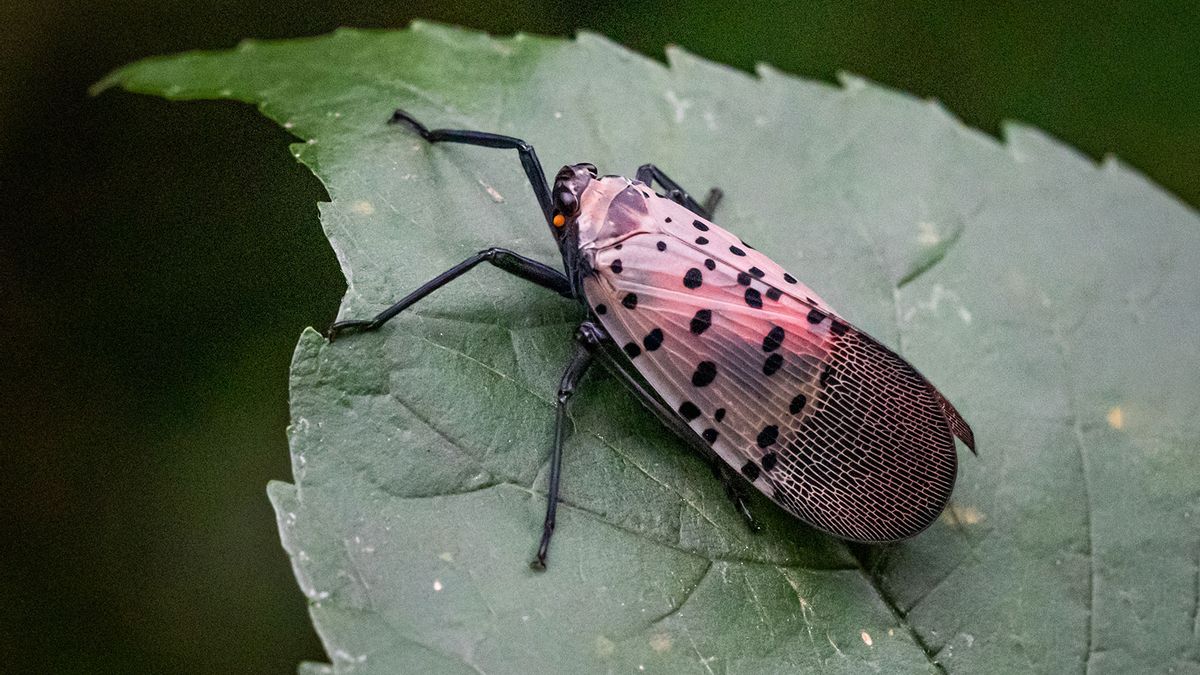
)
(648, 173)
(574, 372)
(711, 200)
(529, 159)
(513, 263)
(736, 491)
(595, 337)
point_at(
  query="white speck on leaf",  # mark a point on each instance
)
(834, 645)
(1116, 418)
(680, 105)
(957, 514)
(343, 656)
(437, 585)
(927, 234)
(362, 208)
(496, 196)
(937, 296)
(866, 638)
(604, 646)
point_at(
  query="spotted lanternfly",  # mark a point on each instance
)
(731, 352)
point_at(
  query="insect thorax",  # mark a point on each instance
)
(611, 209)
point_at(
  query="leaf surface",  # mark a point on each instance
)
(1055, 302)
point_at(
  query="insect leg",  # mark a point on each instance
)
(572, 374)
(736, 492)
(513, 263)
(529, 159)
(596, 337)
(649, 172)
(711, 200)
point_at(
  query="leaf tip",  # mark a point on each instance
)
(115, 78)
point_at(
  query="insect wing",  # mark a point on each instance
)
(820, 417)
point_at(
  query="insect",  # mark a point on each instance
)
(732, 353)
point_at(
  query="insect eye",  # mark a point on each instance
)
(591, 168)
(567, 203)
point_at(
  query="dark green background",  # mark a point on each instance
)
(159, 260)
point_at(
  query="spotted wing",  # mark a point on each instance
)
(820, 417)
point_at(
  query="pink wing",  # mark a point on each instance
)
(820, 417)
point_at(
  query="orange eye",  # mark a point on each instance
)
(559, 221)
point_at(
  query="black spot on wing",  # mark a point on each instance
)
(826, 376)
(773, 339)
(750, 470)
(653, 340)
(768, 436)
(797, 404)
(689, 411)
(706, 372)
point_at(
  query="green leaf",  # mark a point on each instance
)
(1057, 303)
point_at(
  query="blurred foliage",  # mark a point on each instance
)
(158, 262)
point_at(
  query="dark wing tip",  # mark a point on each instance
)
(958, 426)
(873, 460)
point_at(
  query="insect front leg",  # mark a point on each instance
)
(513, 263)
(529, 158)
(647, 173)
(581, 358)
